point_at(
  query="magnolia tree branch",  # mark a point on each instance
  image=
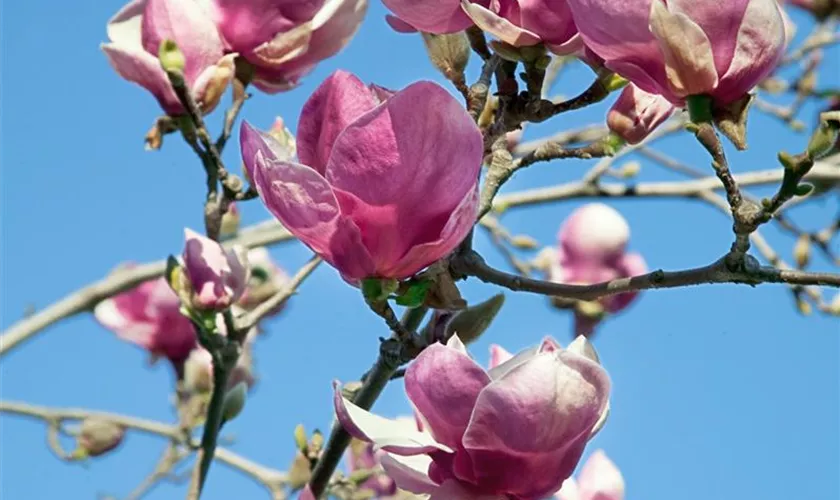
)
(85, 299)
(472, 264)
(391, 356)
(272, 479)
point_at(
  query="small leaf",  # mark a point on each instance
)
(803, 189)
(470, 323)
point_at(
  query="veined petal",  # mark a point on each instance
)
(498, 26)
(142, 68)
(409, 472)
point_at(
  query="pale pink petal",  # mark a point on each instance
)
(337, 102)
(388, 435)
(498, 355)
(687, 50)
(595, 232)
(188, 24)
(629, 265)
(211, 83)
(759, 46)
(125, 27)
(409, 472)
(600, 479)
(720, 26)
(443, 385)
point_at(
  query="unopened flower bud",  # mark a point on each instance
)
(804, 306)
(234, 401)
(299, 472)
(824, 138)
(630, 169)
(802, 251)
(230, 222)
(470, 323)
(449, 53)
(834, 307)
(300, 438)
(97, 437)
(171, 58)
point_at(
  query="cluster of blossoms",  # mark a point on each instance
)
(151, 315)
(281, 41)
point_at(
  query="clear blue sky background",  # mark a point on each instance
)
(721, 392)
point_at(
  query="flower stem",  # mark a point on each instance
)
(699, 108)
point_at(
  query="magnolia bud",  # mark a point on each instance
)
(506, 51)
(299, 472)
(470, 323)
(803, 306)
(97, 437)
(630, 169)
(448, 53)
(802, 251)
(234, 401)
(300, 438)
(823, 139)
(524, 242)
(171, 58)
(230, 223)
(834, 307)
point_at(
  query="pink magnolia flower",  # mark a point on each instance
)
(600, 479)
(515, 431)
(387, 182)
(517, 22)
(149, 316)
(637, 113)
(593, 248)
(364, 456)
(138, 29)
(214, 278)
(285, 39)
(678, 48)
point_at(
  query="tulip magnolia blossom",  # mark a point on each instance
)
(213, 278)
(138, 29)
(149, 316)
(517, 22)
(515, 431)
(387, 182)
(679, 48)
(593, 248)
(637, 113)
(285, 39)
(599, 479)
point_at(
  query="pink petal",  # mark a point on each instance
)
(337, 102)
(617, 31)
(529, 427)
(498, 355)
(248, 24)
(409, 472)
(637, 113)
(389, 435)
(550, 20)
(399, 25)
(498, 26)
(188, 24)
(140, 67)
(594, 232)
(125, 27)
(443, 385)
(211, 83)
(600, 479)
(629, 265)
(454, 490)
(396, 165)
(759, 46)
(432, 16)
(720, 23)
(689, 60)
(217, 276)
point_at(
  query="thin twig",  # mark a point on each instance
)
(85, 299)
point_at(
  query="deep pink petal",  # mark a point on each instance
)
(637, 113)
(412, 161)
(443, 384)
(498, 26)
(248, 24)
(432, 16)
(337, 102)
(454, 490)
(551, 20)
(399, 25)
(530, 426)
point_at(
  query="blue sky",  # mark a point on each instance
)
(720, 392)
